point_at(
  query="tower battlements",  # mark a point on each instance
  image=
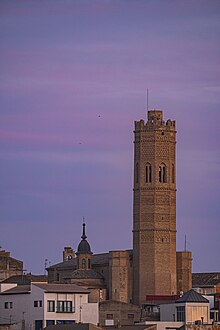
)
(155, 121)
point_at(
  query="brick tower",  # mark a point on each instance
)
(154, 208)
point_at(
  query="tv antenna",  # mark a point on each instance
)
(147, 97)
(185, 244)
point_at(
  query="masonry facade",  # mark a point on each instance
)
(9, 266)
(154, 207)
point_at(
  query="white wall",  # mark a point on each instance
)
(193, 312)
(167, 311)
(23, 306)
(6, 286)
(20, 304)
(36, 313)
(90, 313)
(165, 325)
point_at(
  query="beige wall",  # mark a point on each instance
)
(119, 276)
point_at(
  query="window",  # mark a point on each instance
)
(38, 303)
(50, 322)
(173, 173)
(162, 173)
(109, 316)
(64, 306)
(83, 263)
(148, 173)
(130, 316)
(38, 324)
(8, 305)
(65, 321)
(58, 277)
(180, 313)
(51, 306)
(89, 263)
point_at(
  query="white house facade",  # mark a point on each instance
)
(191, 308)
(41, 304)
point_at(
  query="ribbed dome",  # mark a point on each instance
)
(84, 247)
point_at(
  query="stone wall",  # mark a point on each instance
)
(184, 271)
(9, 266)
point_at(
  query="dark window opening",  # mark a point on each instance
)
(148, 173)
(8, 305)
(162, 173)
(51, 306)
(37, 303)
(83, 263)
(64, 306)
(109, 316)
(173, 173)
(181, 314)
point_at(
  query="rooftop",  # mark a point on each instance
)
(25, 279)
(192, 296)
(86, 273)
(76, 326)
(205, 279)
(19, 289)
(64, 288)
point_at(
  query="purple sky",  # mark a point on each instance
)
(65, 63)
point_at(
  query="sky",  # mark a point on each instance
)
(73, 79)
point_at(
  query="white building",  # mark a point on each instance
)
(40, 304)
(191, 308)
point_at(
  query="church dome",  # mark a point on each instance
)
(84, 246)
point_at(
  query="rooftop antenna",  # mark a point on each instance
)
(147, 97)
(185, 244)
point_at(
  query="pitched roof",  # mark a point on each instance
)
(25, 279)
(100, 258)
(192, 296)
(65, 288)
(19, 289)
(205, 279)
(85, 274)
(68, 264)
(97, 259)
(74, 326)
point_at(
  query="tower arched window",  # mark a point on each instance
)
(89, 263)
(148, 173)
(83, 263)
(162, 173)
(173, 173)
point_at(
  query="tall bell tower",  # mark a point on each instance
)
(154, 207)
